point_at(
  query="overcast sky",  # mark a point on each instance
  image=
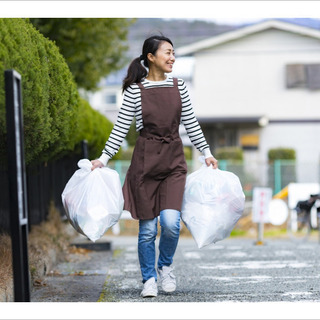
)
(231, 12)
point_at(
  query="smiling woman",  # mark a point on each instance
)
(155, 181)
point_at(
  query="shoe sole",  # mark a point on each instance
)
(169, 290)
(149, 296)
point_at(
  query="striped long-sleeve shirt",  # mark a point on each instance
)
(131, 107)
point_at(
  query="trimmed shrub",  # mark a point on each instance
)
(50, 97)
(187, 153)
(229, 153)
(281, 154)
(93, 127)
(55, 118)
(17, 51)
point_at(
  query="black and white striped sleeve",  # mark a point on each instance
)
(122, 125)
(191, 123)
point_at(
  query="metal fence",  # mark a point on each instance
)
(276, 175)
(46, 182)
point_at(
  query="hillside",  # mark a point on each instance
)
(180, 31)
(184, 31)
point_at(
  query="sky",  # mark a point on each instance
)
(230, 12)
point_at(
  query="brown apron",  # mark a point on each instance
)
(156, 177)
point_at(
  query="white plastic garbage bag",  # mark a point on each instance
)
(93, 200)
(213, 203)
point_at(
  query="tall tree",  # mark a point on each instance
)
(92, 47)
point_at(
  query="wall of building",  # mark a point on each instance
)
(246, 77)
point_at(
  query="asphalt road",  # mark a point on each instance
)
(232, 270)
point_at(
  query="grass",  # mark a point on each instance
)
(106, 295)
(276, 233)
(238, 233)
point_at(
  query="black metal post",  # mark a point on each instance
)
(17, 187)
(84, 147)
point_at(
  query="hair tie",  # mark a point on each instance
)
(141, 57)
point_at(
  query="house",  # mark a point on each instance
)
(258, 87)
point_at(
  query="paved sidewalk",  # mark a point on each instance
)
(79, 279)
(233, 270)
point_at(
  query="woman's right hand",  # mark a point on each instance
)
(96, 164)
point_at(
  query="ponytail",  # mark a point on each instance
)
(137, 71)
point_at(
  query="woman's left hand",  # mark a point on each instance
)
(213, 161)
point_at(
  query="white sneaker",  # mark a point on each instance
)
(167, 279)
(150, 288)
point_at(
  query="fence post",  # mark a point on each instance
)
(118, 168)
(17, 187)
(223, 164)
(84, 149)
(277, 176)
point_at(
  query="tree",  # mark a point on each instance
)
(92, 47)
(49, 94)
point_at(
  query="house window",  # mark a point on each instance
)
(225, 138)
(111, 98)
(303, 76)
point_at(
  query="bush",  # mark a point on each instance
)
(133, 134)
(229, 153)
(187, 153)
(50, 97)
(93, 127)
(55, 118)
(281, 154)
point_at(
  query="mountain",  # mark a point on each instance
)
(186, 31)
(180, 31)
(305, 22)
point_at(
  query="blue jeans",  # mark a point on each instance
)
(170, 231)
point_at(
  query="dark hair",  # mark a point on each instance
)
(136, 71)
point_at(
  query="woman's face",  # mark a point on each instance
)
(163, 59)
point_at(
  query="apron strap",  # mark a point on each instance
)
(140, 85)
(175, 82)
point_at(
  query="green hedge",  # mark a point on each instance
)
(94, 128)
(281, 154)
(54, 122)
(229, 153)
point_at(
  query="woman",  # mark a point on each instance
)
(155, 181)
